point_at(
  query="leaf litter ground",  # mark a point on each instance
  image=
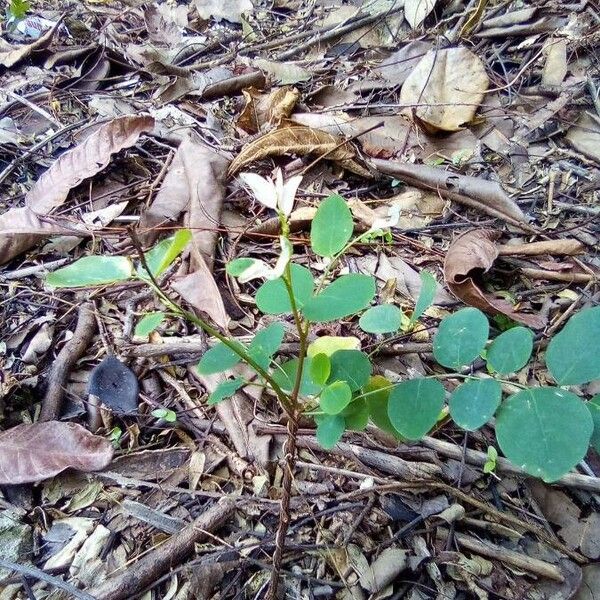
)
(476, 126)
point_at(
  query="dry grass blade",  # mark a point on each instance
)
(293, 140)
(85, 160)
(33, 452)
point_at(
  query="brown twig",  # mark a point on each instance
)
(71, 352)
(162, 558)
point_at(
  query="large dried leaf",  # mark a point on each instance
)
(85, 160)
(230, 10)
(446, 88)
(10, 56)
(297, 140)
(584, 136)
(33, 452)
(415, 11)
(21, 228)
(472, 253)
(397, 67)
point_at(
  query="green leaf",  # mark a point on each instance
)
(377, 393)
(218, 358)
(414, 406)
(572, 357)
(594, 407)
(474, 403)
(285, 376)
(164, 253)
(460, 338)
(266, 343)
(328, 344)
(335, 397)
(545, 431)
(272, 297)
(17, 9)
(331, 227)
(356, 415)
(351, 366)
(511, 350)
(225, 390)
(149, 322)
(164, 413)
(347, 295)
(330, 429)
(426, 295)
(384, 318)
(92, 270)
(236, 267)
(320, 368)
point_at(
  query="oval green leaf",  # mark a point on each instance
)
(414, 406)
(426, 295)
(237, 266)
(331, 227)
(594, 407)
(149, 322)
(460, 338)
(272, 297)
(376, 394)
(218, 358)
(330, 429)
(571, 358)
(164, 253)
(285, 376)
(351, 366)
(356, 415)
(225, 390)
(384, 318)
(335, 397)
(347, 295)
(511, 350)
(92, 270)
(266, 343)
(474, 403)
(545, 431)
(320, 368)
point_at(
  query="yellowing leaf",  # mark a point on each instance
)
(446, 88)
(328, 344)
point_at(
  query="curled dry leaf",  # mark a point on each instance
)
(33, 452)
(471, 253)
(445, 88)
(10, 56)
(298, 140)
(262, 109)
(85, 160)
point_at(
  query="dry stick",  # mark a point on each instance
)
(71, 352)
(164, 557)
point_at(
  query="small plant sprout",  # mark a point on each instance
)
(546, 431)
(489, 467)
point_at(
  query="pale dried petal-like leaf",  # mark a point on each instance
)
(475, 252)
(10, 56)
(263, 189)
(446, 88)
(33, 452)
(415, 11)
(230, 10)
(293, 140)
(85, 160)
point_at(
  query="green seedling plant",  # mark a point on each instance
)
(545, 430)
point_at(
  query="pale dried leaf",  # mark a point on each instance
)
(283, 72)
(293, 140)
(161, 25)
(584, 136)
(33, 452)
(85, 160)
(230, 10)
(446, 88)
(397, 67)
(555, 67)
(415, 11)
(475, 252)
(10, 56)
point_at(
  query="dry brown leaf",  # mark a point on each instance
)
(33, 452)
(21, 229)
(584, 136)
(85, 160)
(446, 88)
(471, 253)
(555, 67)
(230, 10)
(483, 194)
(397, 67)
(297, 140)
(261, 109)
(10, 56)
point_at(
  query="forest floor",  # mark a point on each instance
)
(124, 122)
